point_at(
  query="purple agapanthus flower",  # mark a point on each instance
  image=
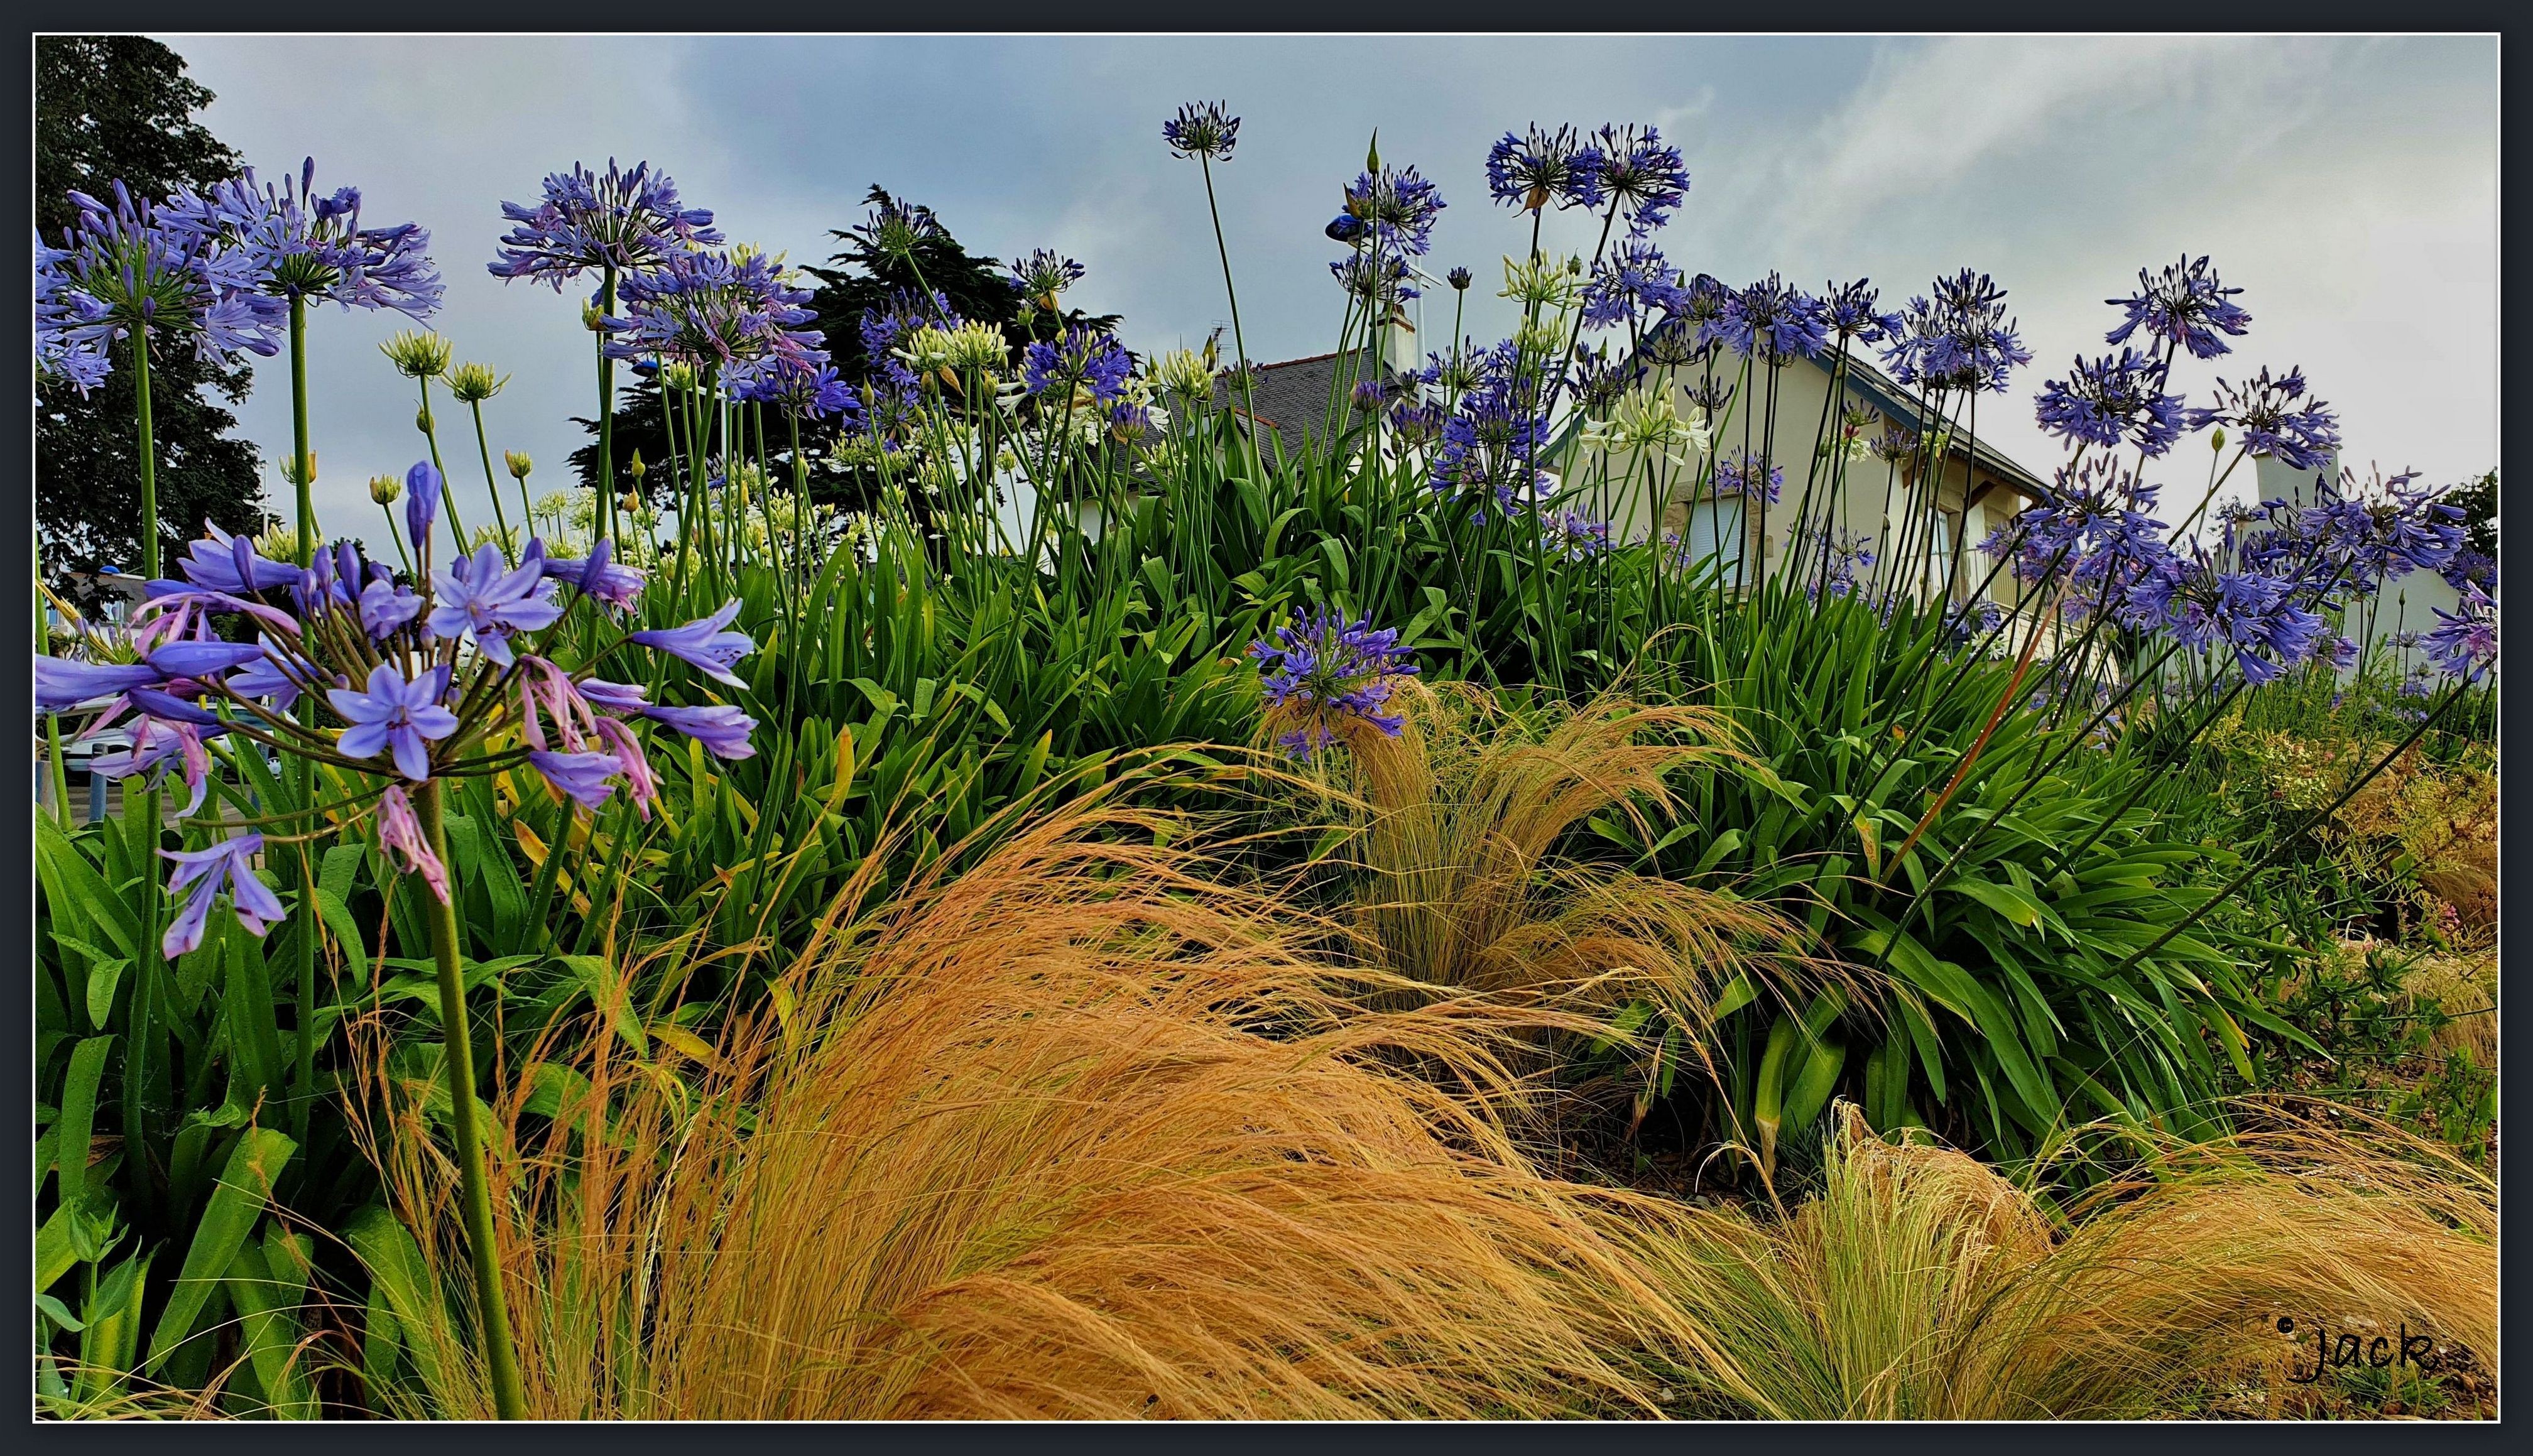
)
(299, 244)
(588, 777)
(200, 660)
(168, 745)
(266, 678)
(597, 575)
(385, 607)
(200, 876)
(1542, 167)
(2471, 566)
(1083, 356)
(1961, 340)
(133, 266)
(721, 730)
(1641, 178)
(1854, 311)
(1202, 129)
(1774, 321)
(705, 643)
(2383, 529)
(2183, 306)
(1378, 280)
(2275, 419)
(715, 310)
(624, 220)
(1737, 474)
(63, 684)
(2108, 399)
(484, 596)
(1398, 210)
(2464, 642)
(221, 562)
(808, 388)
(1628, 282)
(1043, 274)
(400, 717)
(1322, 669)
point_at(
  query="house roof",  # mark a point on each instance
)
(1903, 404)
(1292, 396)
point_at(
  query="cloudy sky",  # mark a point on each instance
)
(2349, 187)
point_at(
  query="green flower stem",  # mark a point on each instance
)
(510, 1396)
(448, 488)
(297, 862)
(492, 485)
(1239, 344)
(60, 776)
(145, 962)
(605, 412)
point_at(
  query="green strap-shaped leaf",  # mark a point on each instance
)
(77, 1118)
(236, 1202)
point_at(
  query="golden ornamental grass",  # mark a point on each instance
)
(1921, 1284)
(1077, 1133)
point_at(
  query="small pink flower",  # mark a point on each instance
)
(640, 781)
(401, 835)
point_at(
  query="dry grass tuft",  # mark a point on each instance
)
(1920, 1284)
(1458, 881)
(1023, 1145)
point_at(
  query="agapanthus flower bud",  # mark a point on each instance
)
(519, 464)
(473, 384)
(289, 468)
(384, 489)
(637, 469)
(1460, 278)
(422, 420)
(417, 354)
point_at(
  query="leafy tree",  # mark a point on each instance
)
(2479, 502)
(861, 279)
(109, 107)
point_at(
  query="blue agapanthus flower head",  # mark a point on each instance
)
(1961, 340)
(1202, 129)
(715, 310)
(2383, 529)
(623, 220)
(1043, 274)
(2184, 306)
(1084, 356)
(133, 266)
(1854, 311)
(1740, 474)
(1637, 175)
(2464, 643)
(1628, 283)
(1398, 208)
(1543, 167)
(2274, 419)
(2109, 399)
(1773, 320)
(1323, 671)
(808, 387)
(389, 686)
(296, 244)
(1378, 279)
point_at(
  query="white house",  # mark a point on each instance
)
(1875, 500)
